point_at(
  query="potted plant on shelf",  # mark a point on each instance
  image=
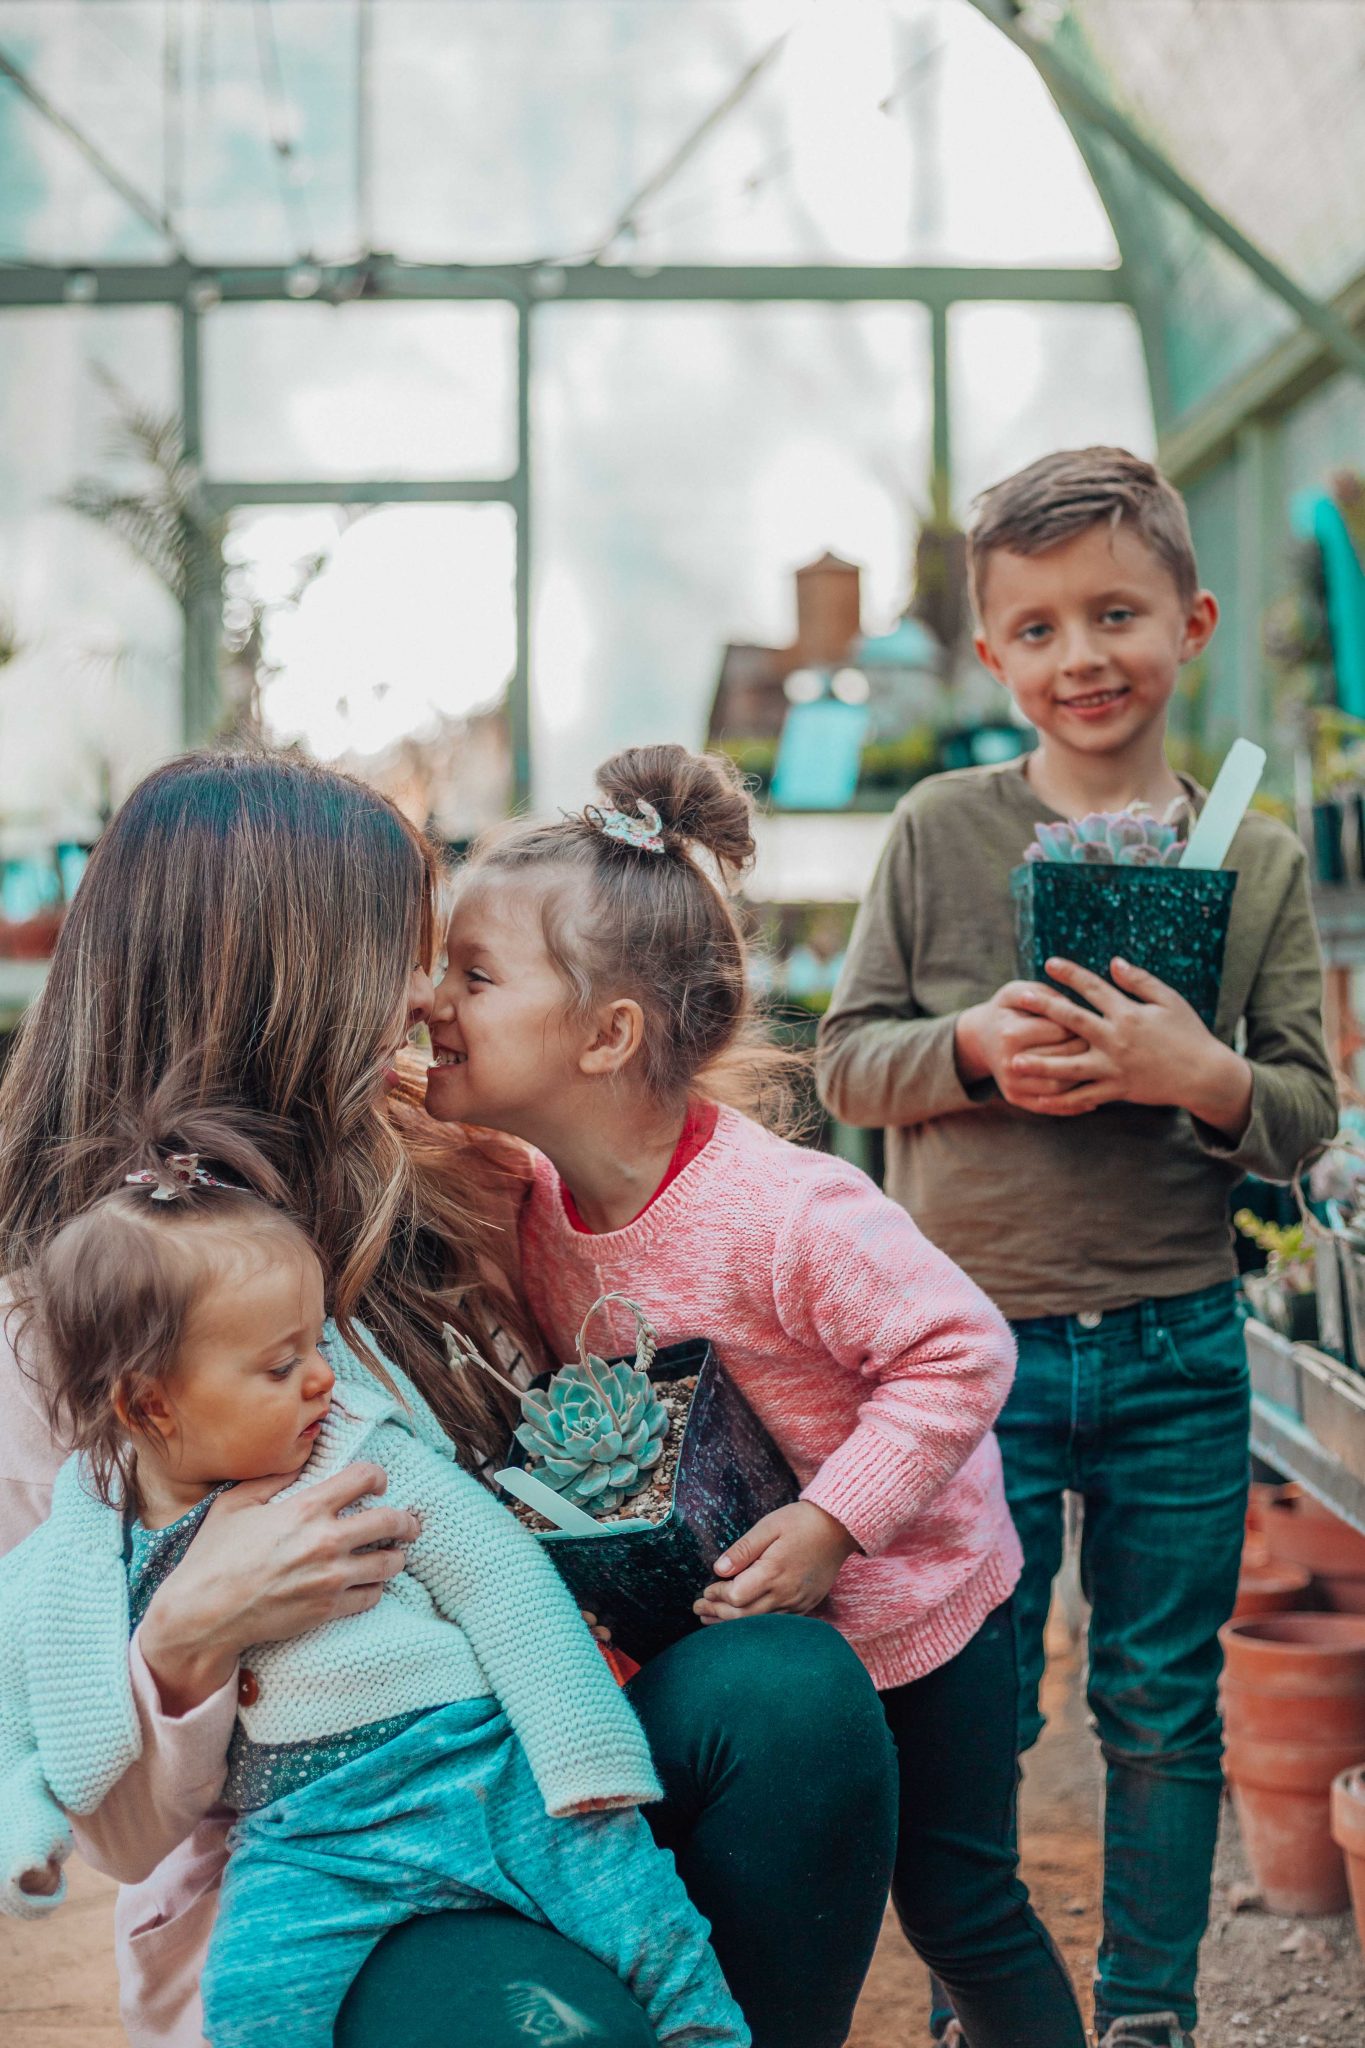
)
(1336, 1182)
(637, 1474)
(1285, 1295)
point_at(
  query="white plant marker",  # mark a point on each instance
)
(1216, 825)
(534, 1493)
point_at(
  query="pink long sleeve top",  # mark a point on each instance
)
(874, 1362)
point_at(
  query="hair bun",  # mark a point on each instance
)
(701, 799)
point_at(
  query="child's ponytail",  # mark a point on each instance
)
(700, 798)
(655, 859)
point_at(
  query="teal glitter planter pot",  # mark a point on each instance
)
(642, 1583)
(1172, 921)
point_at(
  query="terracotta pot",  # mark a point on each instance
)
(1265, 1587)
(1348, 1832)
(1299, 1531)
(1259, 1498)
(1294, 1710)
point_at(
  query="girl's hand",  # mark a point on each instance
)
(261, 1570)
(1143, 1043)
(786, 1564)
(41, 1884)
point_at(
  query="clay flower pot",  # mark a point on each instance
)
(1298, 1531)
(1267, 1587)
(1348, 1832)
(1294, 1711)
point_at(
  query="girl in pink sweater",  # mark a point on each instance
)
(596, 988)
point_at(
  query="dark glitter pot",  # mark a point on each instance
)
(641, 1583)
(1172, 921)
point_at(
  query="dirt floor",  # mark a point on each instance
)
(1266, 1983)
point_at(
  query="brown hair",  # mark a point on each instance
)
(1061, 495)
(249, 922)
(111, 1293)
(654, 925)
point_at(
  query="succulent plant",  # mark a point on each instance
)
(598, 1436)
(1127, 839)
(597, 1431)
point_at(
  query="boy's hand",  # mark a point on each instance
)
(1143, 1043)
(992, 1038)
(784, 1565)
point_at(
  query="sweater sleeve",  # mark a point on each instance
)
(932, 1357)
(33, 1827)
(877, 1062)
(491, 1577)
(1293, 1093)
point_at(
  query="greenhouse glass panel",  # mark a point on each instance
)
(366, 391)
(1026, 379)
(1257, 102)
(87, 630)
(379, 624)
(688, 460)
(500, 130)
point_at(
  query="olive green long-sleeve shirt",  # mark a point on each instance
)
(1055, 1216)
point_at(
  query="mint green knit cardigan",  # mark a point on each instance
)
(478, 1612)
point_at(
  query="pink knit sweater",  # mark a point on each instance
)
(875, 1363)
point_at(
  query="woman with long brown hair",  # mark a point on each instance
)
(266, 928)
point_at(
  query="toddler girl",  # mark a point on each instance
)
(595, 991)
(460, 1743)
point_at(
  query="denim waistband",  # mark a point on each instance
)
(1137, 1318)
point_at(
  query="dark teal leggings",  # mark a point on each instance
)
(780, 1809)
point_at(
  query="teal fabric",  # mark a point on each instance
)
(780, 1811)
(151, 1555)
(445, 1817)
(1318, 517)
(1146, 1417)
(478, 1611)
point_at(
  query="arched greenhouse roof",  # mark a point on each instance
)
(708, 249)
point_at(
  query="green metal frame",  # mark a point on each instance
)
(193, 291)
(1243, 418)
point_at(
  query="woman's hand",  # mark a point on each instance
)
(786, 1564)
(1143, 1043)
(262, 1570)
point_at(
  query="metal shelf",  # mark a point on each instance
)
(1308, 1420)
(1339, 909)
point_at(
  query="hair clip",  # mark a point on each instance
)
(181, 1170)
(644, 833)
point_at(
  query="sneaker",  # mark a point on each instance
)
(952, 2036)
(1146, 2030)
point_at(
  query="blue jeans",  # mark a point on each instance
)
(1144, 1412)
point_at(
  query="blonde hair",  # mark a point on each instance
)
(655, 926)
(249, 922)
(1062, 495)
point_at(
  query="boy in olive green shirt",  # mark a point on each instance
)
(1075, 1158)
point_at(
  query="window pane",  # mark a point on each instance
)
(1027, 379)
(381, 626)
(688, 460)
(93, 691)
(360, 391)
